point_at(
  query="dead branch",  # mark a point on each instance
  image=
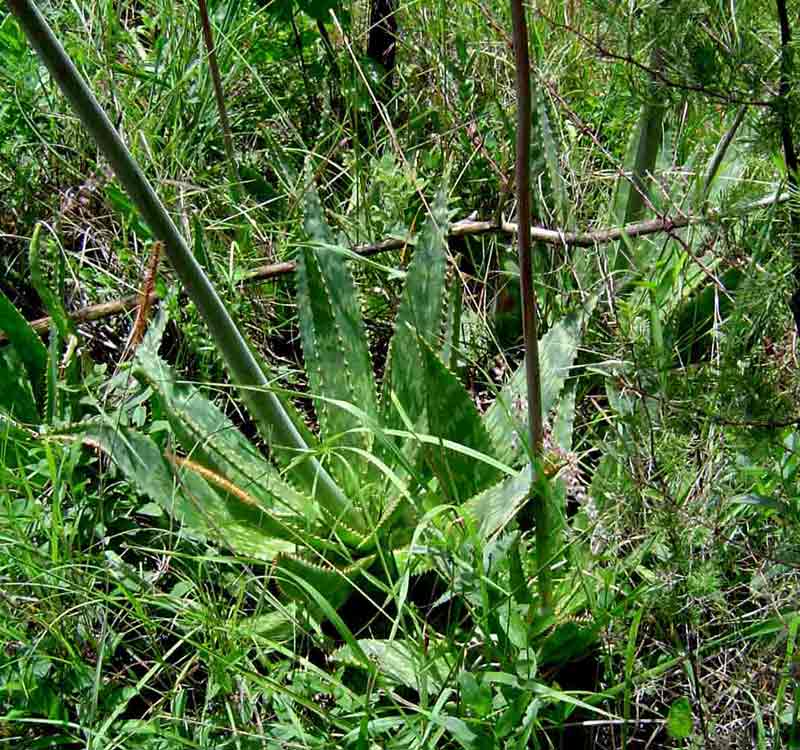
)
(463, 228)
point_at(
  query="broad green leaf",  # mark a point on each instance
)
(679, 719)
(459, 730)
(203, 511)
(544, 142)
(519, 582)
(421, 314)
(401, 662)
(476, 696)
(564, 418)
(453, 416)
(452, 337)
(692, 324)
(496, 507)
(569, 640)
(274, 627)
(209, 438)
(50, 298)
(16, 395)
(15, 442)
(335, 348)
(505, 420)
(640, 162)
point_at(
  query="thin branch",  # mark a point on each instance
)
(216, 80)
(789, 153)
(463, 228)
(523, 183)
(605, 53)
(539, 507)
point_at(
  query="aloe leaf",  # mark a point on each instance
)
(453, 416)
(268, 629)
(334, 340)
(544, 141)
(505, 418)
(564, 418)
(347, 529)
(333, 584)
(51, 409)
(270, 414)
(210, 438)
(50, 299)
(495, 508)
(640, 161)
(401, 662)
(395, 526)
(519, 581)
(62, 328)
(421, 315)
(15, 444)
(692, 323)
(16, 393)
(203, 512)
(452, 336)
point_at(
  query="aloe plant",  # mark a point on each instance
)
(422, 443)
(374, 467)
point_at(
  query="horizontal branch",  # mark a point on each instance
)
(463, 228)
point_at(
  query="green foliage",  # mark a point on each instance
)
(221, 489)
(230, 603)
(38, 384)
(679, 719)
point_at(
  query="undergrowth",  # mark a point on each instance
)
(187, 603)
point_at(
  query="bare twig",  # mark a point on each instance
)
(463, 228)
(216, 80)
(789, 153)
(654, 72)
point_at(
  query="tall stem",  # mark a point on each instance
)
(216, 80)
(542, 513)
(789, 153)
(265, 406)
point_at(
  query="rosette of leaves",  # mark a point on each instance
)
(396, 448)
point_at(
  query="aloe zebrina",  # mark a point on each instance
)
(271, 415)
(423, 442)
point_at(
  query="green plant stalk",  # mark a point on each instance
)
(719, 154)
(271, 417)
(539, 500)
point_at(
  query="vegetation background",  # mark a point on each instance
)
(164, 585)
